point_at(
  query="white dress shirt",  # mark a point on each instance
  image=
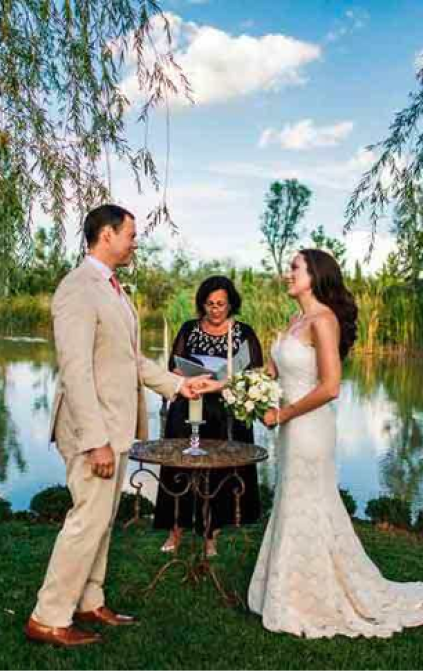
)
(107, 273)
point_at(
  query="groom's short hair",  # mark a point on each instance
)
(104, 215)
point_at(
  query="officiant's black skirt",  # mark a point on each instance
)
(222, 506)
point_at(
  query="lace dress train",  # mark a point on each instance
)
(313, 576)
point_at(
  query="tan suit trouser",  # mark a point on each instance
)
(77, 568)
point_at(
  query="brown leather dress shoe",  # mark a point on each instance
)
(69, 636)
(105, 616)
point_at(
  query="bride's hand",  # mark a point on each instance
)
(271, 417)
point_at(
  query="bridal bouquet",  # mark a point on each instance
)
(248, 395)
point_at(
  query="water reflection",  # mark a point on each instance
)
(402, 466)
(10, 449)
(27, 382)
(27, 379)
(387, 395)
(380, 426)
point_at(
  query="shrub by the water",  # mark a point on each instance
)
(5, 510)
(392, 510)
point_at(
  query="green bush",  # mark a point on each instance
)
(25, 516)
(390, 510)
(20, 314)
(349, 501)
(180, 308)
(5, 510)
(127, 507)
(53, 504)
(418, 524)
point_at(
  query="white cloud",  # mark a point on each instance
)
(305, 135)
(358, 244)
(337, 175)
(221, 66)
(362, 159)
(267, 137)
(352, 21)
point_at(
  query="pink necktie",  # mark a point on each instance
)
(115, 284)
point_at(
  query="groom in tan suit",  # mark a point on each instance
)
(99, 409)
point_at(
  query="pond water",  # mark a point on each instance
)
(380, 425)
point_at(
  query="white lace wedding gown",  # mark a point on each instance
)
(312, 576)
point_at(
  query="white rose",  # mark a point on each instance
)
(254, 392)
(229, 397)
(249, 406)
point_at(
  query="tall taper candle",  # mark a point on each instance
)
(230, 364)
(165, 342)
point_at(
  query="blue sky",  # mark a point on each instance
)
(283, 89)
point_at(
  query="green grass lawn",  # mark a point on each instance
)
(187, 627)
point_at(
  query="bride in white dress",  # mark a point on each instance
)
(313, 577)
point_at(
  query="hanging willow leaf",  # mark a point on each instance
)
(62, 109)
(397, 170)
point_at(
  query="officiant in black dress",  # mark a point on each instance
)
(217, 301)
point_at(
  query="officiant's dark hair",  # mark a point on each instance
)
(104, 215)
(213, 284)
(328, 287)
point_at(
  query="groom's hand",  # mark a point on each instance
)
(193, 388)
(205, 385)
(102, 461)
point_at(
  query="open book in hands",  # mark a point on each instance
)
(217, 367)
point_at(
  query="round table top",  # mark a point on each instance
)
(220, 454)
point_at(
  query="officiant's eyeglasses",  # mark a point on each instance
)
(218, 304)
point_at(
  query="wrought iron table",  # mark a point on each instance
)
(219, 455)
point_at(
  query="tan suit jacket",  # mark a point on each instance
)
(100, 390)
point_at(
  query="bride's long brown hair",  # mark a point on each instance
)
(328, 287)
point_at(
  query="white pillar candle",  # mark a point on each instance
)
(230, 364)
(165, 342)
(195, 410)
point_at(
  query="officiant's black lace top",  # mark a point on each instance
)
(192, 340)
